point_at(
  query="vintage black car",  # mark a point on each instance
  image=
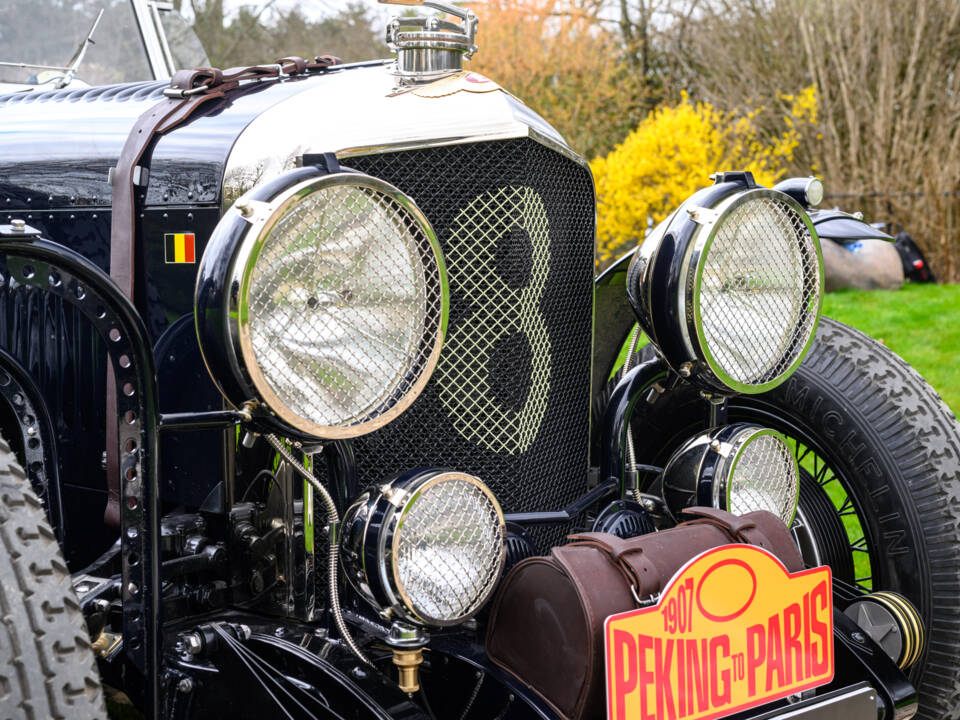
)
(353, 365)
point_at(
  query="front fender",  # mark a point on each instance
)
(613, 320)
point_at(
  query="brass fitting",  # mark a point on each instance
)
(106, 643)
(408, 663)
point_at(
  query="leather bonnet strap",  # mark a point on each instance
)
(189, 91)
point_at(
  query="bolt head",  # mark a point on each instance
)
(185, 685)
(193, 643)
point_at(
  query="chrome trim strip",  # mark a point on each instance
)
(858, 703)
(531, 133)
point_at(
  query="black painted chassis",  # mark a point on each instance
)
(255, 664)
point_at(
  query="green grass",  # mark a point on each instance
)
(920, 323)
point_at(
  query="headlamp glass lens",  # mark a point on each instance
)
(343, 305)
(759, 291)
(764, 477)
(449, 549)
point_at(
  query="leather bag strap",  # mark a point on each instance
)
(627, 556)
(189, 91)
(740, 528)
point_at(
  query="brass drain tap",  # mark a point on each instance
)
(407, 644)
(408, 665)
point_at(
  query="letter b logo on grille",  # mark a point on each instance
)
(505, 319)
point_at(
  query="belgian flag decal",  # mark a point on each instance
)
(179, 248)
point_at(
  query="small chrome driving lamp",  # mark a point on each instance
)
(427, 548)
(739, 468)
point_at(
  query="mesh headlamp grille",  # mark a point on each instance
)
(448, 549)
(764, 475)
(342, 306)
(757, 293)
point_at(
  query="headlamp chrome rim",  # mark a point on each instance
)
(702, 470)
(373, 531)
(263, 218)
(692, 283)
(724, 488)
(402, 515)
(665, 283)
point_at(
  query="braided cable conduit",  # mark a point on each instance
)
(334, 520)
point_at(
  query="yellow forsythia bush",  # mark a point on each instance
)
(671, 154)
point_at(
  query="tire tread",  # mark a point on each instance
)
(47, 666)
(923, 436)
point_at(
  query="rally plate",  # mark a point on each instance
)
(733, 630)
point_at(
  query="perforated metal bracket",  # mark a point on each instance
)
(702, 215)
(27, 259)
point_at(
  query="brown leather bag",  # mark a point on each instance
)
(546, 622)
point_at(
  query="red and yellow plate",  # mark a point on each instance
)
(733, 630)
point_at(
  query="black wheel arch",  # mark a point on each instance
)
(26, 423)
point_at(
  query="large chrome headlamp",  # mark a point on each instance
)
(323, 298)
(739, 468)
(730, 287)
(428, 547)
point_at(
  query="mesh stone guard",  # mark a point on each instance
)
(754, 267)
(27, 259)
(509, 402)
